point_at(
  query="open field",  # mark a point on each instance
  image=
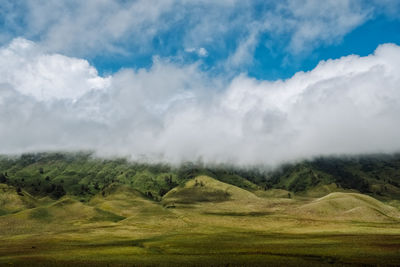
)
(204, 222)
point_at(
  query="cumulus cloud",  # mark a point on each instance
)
(177, 112)
(47, 76)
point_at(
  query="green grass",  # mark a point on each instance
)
(41, 214)
(242, 230)
(196, 248)
(116, 213)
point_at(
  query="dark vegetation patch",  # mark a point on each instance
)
(196, 194)
(103, 215)
(41, 214)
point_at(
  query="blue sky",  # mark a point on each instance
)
(279, 43)
(277, 64)
(362, 41)
(246, 82)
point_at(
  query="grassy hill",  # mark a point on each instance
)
(205, 189)
(82, 176)
(348, 206)
(72, 209)
(12, 201)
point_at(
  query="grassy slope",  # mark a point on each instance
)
(81, 176)
(376, 175)
(201, 221)
(124, 226)
(348, 206)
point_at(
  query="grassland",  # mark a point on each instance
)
(199, 221)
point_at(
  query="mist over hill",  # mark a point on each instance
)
(171, 112)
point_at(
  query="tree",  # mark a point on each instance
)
(59, 191)
(162, 191)
(168, 179)
(50, 188)
(3, 178)
(19, 191)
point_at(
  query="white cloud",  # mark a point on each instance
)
(201, 52)
(245, 49)
(310, 23)
(89, 27)
(47, 76)
(176, 112)
(349, 105)
(92, 27)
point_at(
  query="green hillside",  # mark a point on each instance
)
(75, 210)
(81, 176)
(205, 189)
(72, 209)
(376, 175)
(199, 223)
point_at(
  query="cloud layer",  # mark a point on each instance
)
(177, 112)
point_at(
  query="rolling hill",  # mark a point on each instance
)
(73, 209)
(82, 176)
(348, 206)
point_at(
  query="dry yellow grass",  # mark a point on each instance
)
(11, 201)
(348, 206)
(124, 227)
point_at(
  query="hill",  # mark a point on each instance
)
(13, 200)
(206, 189)
(201, 221)
(82, 176)
(348, 206)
